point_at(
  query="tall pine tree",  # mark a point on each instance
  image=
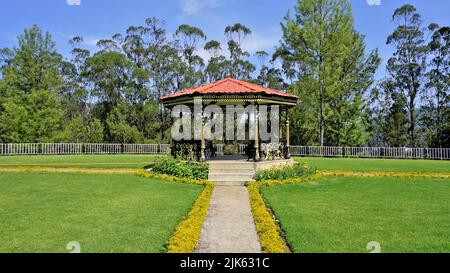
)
(331, 71)
(31, 110)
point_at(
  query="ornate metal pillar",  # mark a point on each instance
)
(280, 130)
(173, 152)
(257, 158)
(202, 144)
(288, 141)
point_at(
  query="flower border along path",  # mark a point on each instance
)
(229, 225)
(187, 233)
(266, 225)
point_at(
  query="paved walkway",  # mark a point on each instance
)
(229, 226)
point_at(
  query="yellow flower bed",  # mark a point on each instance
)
(268, 230)
(383, 174)
(269, 237)
(187, 232)
(313, 177)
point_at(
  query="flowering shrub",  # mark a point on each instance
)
(178, 168)
(286, 172)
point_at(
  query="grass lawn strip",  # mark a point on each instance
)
(373, 164)
(43, 212)
(187, 233)
(343, 214)
(79, 161)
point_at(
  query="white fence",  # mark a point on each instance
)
(313, 151)
(372, 152)
(80, 148)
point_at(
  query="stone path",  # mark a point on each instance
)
(229, 226)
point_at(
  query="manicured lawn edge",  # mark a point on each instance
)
(187, 233)
(268, 230)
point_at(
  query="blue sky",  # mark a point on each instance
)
(97, 19)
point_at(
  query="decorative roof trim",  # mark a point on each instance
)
(229, 84)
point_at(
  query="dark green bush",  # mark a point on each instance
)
(176, 167)
(282, 173)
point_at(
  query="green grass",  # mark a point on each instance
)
(78, 161)
(42, 212)
(362, 164)
(343, 214)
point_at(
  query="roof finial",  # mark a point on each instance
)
(229, 75)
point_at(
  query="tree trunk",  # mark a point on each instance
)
(322, 118)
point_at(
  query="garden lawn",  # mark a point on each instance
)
(344, 214)
(78, 161)
(366, 164)
(42, 212)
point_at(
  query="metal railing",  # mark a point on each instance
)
(372, 152)
(313, 151)
(80, 148)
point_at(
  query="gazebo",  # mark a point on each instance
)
(226, 92)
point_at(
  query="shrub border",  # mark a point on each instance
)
(187, 233)
(268, 230)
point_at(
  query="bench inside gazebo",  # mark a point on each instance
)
(232, 92)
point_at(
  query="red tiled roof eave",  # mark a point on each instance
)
(229, 86)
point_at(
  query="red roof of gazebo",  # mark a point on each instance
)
(229, 86)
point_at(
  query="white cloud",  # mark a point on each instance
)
(73, 2)
(256, 42)
(373, 2)
(91, 41)
(193, 6)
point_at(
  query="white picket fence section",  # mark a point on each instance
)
(372, 152)
(313, 151)
(80, 148)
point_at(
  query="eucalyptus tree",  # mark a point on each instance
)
(269, 75)
(218, 65)
(240, 67)
(188, 38)
(387, 115)
(408, 63)
(82, 93)
(438, 80)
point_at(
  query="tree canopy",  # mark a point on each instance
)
(112, 93)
